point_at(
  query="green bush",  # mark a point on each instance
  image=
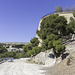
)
(9, 54)
(37, 49)
(28, 47)
(2, 49)
(58, 46)
(20, 55)
(45, 44)
(34, 51)
(34, 41)
(30, 52)
(58, 9)
(18, 46)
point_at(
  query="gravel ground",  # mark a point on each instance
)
(20, 67)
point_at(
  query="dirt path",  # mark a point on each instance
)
(19, 67)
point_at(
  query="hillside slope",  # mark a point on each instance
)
(67, 15)
(66, 66)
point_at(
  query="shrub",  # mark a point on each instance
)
(34, 41)
(34, 51)
(9, 54)
(20, 55)
(28, 47)
(30, 52)
(58, 9)
(37, 49)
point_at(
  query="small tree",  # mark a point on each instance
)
(58, 46)
(73, 8)
(34, 41)
(67, 9)
(37, 49)
(45, 44)
(29, 53)
(18, 46)
(2, 49)
(9, 54)
(27, 47)
(20, 55)
(58, 9)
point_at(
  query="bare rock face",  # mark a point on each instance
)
(50, 58)
(67, 65)
(47, 58)
(40, 58)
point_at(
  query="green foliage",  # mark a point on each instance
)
(52, 29)
(18, 51)
(45, 44)
(18, 46)
(34, 41)
(73, 8)
(9, 54)
(52, 37)
(59, 48)
(2, 49)
(20, 55)
(34, 51)
(72, 19)
(54, 43)
(0, 55)
(53, 24)
(37, 49)
(71, 25)
(30, 52)
(27, 47)
(12, 54)
(67, 9)
(58, 9)
(70, 28)
(50, 44)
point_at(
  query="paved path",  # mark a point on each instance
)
(19, 67)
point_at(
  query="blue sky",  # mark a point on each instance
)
(19, 19)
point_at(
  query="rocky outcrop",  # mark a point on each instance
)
(47, 58)
(67, 15)
(67, 65)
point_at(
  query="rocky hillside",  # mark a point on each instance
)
(67, 15)
(47, 58)
(67, 65)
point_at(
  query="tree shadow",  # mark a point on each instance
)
(51, 56)
(69, 41)
(64, 56)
